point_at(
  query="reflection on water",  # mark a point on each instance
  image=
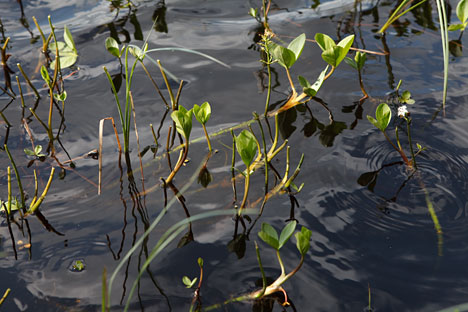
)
(368, 214)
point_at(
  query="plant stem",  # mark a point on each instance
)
(36, 205)
(246, 190)
(330, 73)
(400, 151)
(18, 178)
(280, 263)
(179, 164)
(207, 138)
(9, 191)
(408, 121)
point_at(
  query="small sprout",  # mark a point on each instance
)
(202, 113)
(189, 283)
(36, 153)
(61, 97)
(402, 111)
(77, 266)
(383, 115)
(200, 262)
(183, 120)
(138, 53)
(45, 75)
(405, 98)
(358, 62)
(303, 240)
(253, 12)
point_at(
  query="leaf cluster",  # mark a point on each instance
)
(202, 113)
(383, 115)
(269, 235)
(286, 57)
(462, 14)
(183, 120)
(67, 50)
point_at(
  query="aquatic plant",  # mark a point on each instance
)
(202, 114)
(67, 53)
(189, 283)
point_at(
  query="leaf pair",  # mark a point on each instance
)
(383, 115)
(36, 153)
(288, 56)
(462, 14)
(183, 120)
(311, 90)
(246, 145)
(358, 62)
(269, 235)
(202, 113)
(333, 53)
(67, 50)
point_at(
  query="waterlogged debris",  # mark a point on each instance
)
(77, 265)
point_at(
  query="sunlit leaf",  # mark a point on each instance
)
(297, 45)
(45, 75)
(303, 240)
(269, 235)
(345, 44)
(284, 56)
(246, 145)
(113, 47)
(455, 27)
(286, 233)
(189, 283)
(462, 11)
(183, 121)
(202, 113)
(332, 55)
(67, 36)
(324, 41)
(383, 114)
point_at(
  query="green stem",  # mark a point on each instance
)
(246, 190)
(207, 138)
(18, 178)
(7, 292)
(280, 263)
(36, 205)
(408, 121)
(9, 191)
(400, 151)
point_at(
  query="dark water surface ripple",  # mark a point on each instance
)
(368, 212)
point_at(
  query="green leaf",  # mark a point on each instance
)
(360, 59)
(324, 41)
(345, 44)
(200, 262)
(202, 113)
(187, 282)
(67, 36)
(253, 12)
(113, 47)
(137, 52)
(311, 90)
(286, 233)
(303, 240)
(332, 55)
(383, 114)
(455, 27)
(268, 235)
(283, 56)
(183, 121)
(45, 75)
(246, 145)
(38, 149)
(29, 152)
(297, 45)
(373, 121)
(61, 97)
(462, 11)
(351, 63)
(406, 95)
(67, 55)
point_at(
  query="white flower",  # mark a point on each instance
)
(402, 111)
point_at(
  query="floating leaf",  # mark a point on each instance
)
(286, 233)
(246, 145)
(269, 235)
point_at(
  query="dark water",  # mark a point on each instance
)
(380, 237)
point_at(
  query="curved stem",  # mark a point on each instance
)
(400, 151)
(179, 163)
(246, 190)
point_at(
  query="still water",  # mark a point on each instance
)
(373, 235)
